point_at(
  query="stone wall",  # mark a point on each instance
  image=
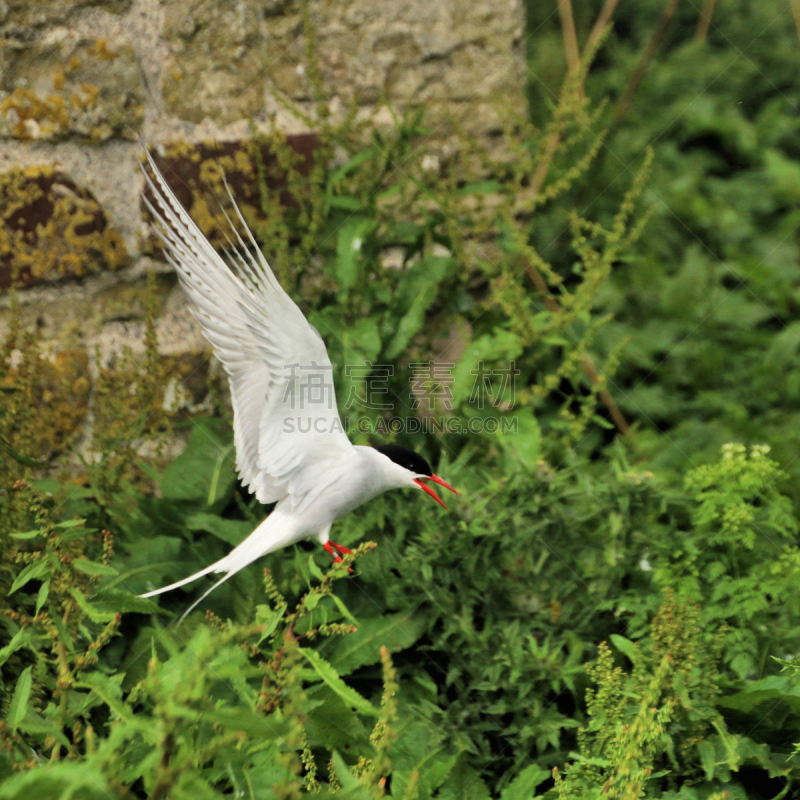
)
(82, 80)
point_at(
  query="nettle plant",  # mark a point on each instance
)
(223, 706)
(739, 559)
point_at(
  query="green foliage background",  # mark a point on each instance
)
(611, 607)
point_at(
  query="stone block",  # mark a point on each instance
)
(193, 171)
(453, 57)
(50, 228)
(450, 57)
(20, 19)
(218, 60)
(63, 86)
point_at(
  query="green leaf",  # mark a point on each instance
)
(75, 533)
(190, 475)
(230, 531)
(784, 173)
(419, 288)
(260, 728)
(18, 707)
(36, 569)
(419, 756)
(67, 781)
(216, 474)
(626, 647)
(312, 600)
(313, 568)
(40, 726)
(333, 722)
(465, 783)
(393, 631)
(345, 202)
(94, 614)
(772, 690)
(28, 534)
(21, 458)
(348, 167)
(329, 676)
(344, 610)
(41, 597)
(151, 567)
(58, 623)
(501, 346)
(70, 523)
(108, 690)
(352, 787)
(361, 340)
(348, 249)
(398, 231)
(121, 601)
(524, 785)
(523, 441)
(19, 640)
(51, 486)
(269, 617)
(708, 757)
(93, 567)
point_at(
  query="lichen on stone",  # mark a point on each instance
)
(73, 87)
(195, 173)
(51, 228)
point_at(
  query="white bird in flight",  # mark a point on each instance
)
(266, 345)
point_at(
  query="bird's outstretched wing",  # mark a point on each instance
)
(287, 429)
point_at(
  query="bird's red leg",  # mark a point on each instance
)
(334, 555)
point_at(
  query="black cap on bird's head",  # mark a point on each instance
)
(412, 461)
(417, 465)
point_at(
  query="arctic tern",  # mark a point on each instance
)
(266, 347)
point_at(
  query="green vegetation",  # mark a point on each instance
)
(609, 610)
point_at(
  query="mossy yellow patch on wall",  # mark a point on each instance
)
(198, 173)
(51, 228)
(102, 51)
(73, 87)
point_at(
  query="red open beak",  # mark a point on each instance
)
(428, 490)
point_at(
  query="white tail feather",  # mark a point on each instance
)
(212, 568)
(205, 594)
(276, 531)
